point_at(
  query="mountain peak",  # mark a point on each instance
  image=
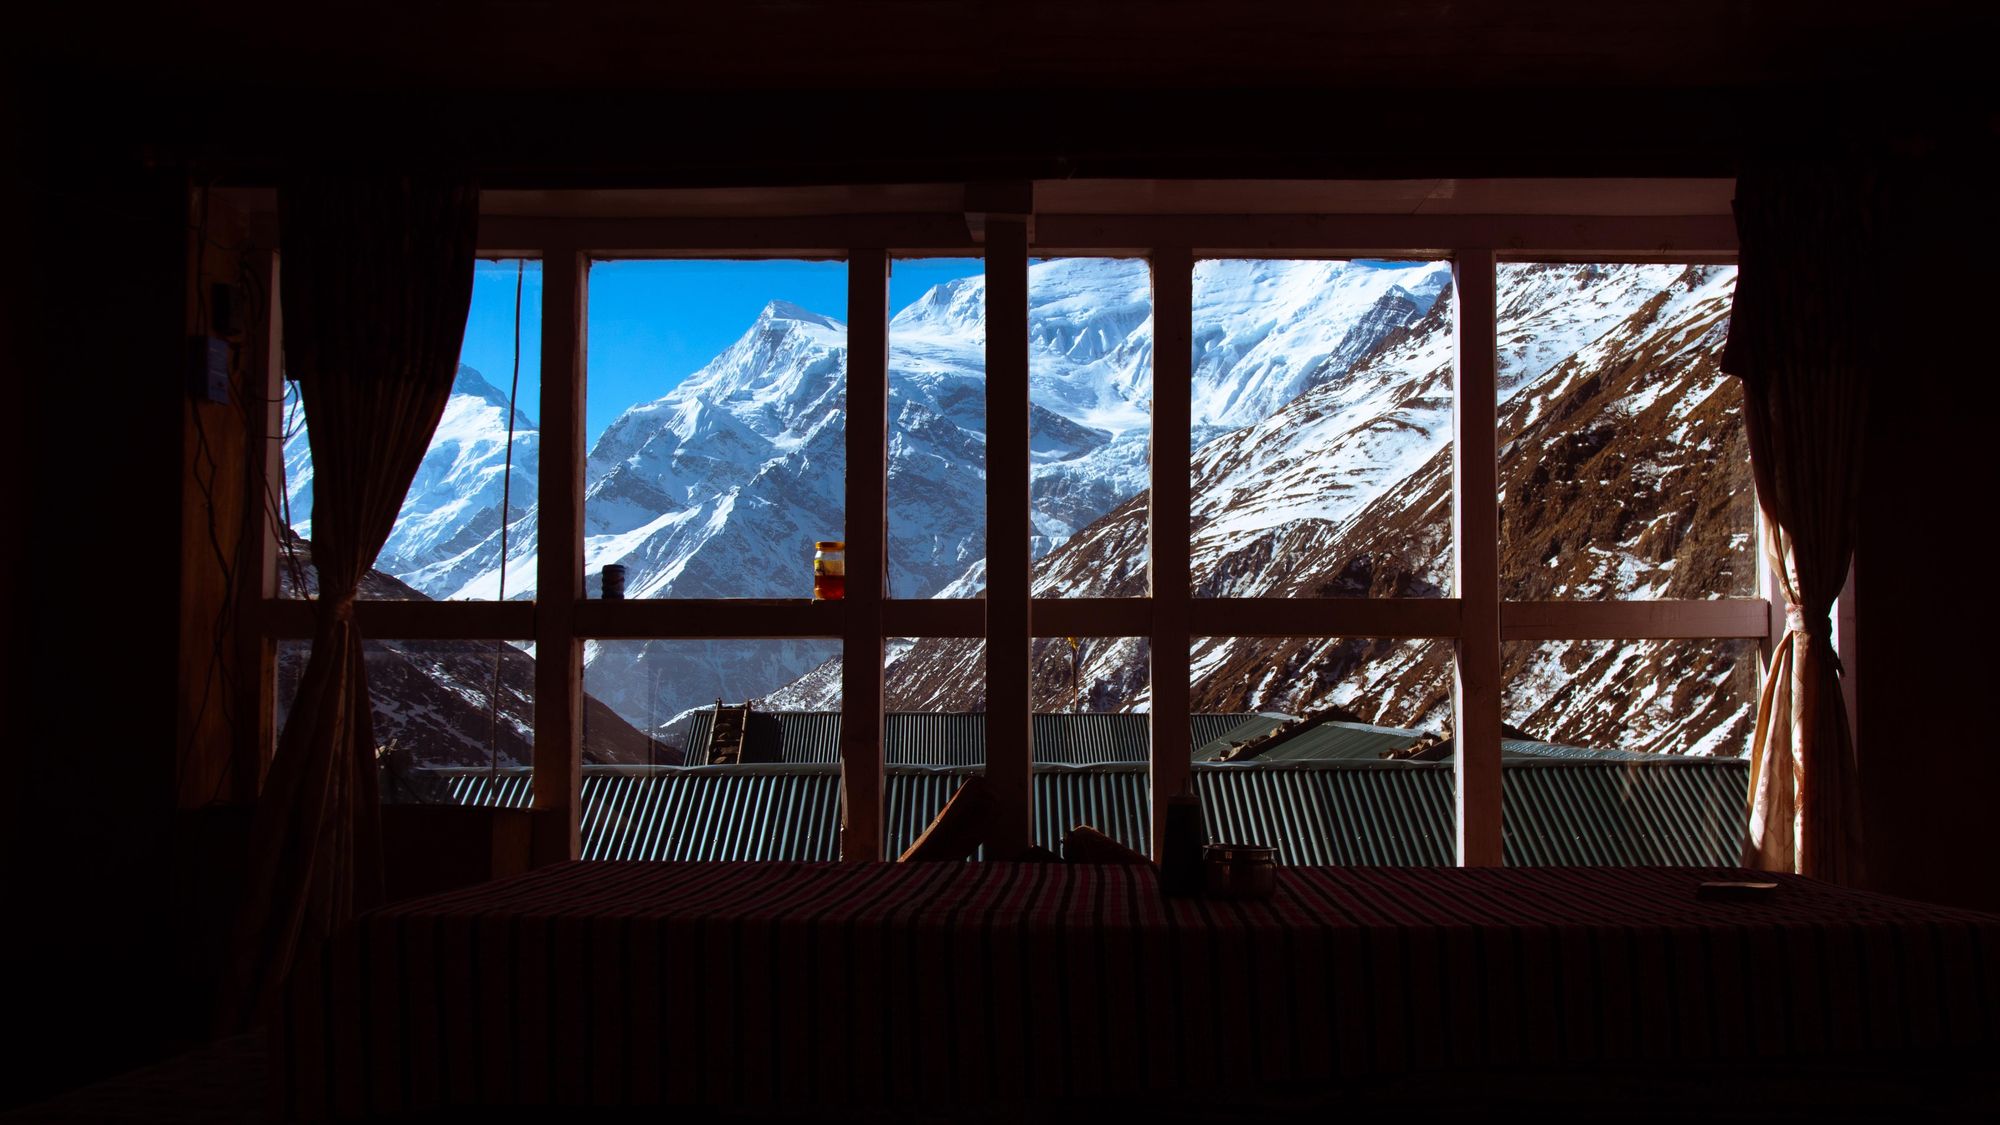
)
(469, 381)
(781, 309)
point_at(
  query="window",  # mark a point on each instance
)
(466, 530)
(1624, 467)
(936, 484)
(1624, 478)
(1322, 421)
(454, 721)
(1312, 423)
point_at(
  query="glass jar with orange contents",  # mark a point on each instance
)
(829, 570)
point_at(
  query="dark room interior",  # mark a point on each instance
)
(149, 146)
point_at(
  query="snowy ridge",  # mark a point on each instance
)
(446, 538)
(1322, 426)
(1623, 472)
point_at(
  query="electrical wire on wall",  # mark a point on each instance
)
(204, 458)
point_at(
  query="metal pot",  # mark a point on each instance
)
(1240, 870)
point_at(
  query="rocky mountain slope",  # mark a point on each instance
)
(1624, 474)
(451, 703)
(720, 487)
(1322, 468)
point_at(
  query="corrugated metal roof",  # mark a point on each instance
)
(1529, 750)
(1111, 799)
(1340, 742)
(911, 797)
(507, 789)
(798, 737)
(949, 738)
(932, 738)
(1093, 739)
(714, 813)
(1211, 734)
(1659, 811)
(1351, 813)
(1687, 811)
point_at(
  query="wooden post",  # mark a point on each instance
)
(861, 771)
(1009, 703)
(1476, 557)
(558, 778)
(257, 582)
(218, 450)
(1172, 589)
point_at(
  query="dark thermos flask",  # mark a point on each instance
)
(1180, 859)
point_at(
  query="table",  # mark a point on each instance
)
(794, 985)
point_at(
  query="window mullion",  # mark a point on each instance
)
(1010, 726)
(257, 721)
(1172, 587)
(558, 776)
(861, 768)
(1475, 513)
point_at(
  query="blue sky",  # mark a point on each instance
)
(654, 323)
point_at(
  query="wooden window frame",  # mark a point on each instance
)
(1006, 233)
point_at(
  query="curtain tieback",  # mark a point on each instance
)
(1814, 627)
(1798, 620)
(343, 610)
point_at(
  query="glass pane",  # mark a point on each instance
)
(1627, 752)
(1692, 697)
(668, 689)
(1091, 733)
(933, 729)
(1325, 748)
(1090, 425)
(451, 540)
(453, 720)
(1093, 738)
(716, 415)
(1401, 685)
(1322, 414)
(937, 428)
(1624, 468)
(934, 675)
(729, 776)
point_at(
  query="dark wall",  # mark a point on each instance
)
(95, 312)
(1926, 619)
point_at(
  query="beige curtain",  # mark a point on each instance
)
(1799, 339)
(378, 279)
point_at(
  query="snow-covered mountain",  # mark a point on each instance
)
(1624, 474)
(1322, 417)
(446, 540)
(720, 487)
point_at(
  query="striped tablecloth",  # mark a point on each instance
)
(878, 984)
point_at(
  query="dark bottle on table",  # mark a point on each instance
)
(1180, 858)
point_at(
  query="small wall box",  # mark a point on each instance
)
(208, 368)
